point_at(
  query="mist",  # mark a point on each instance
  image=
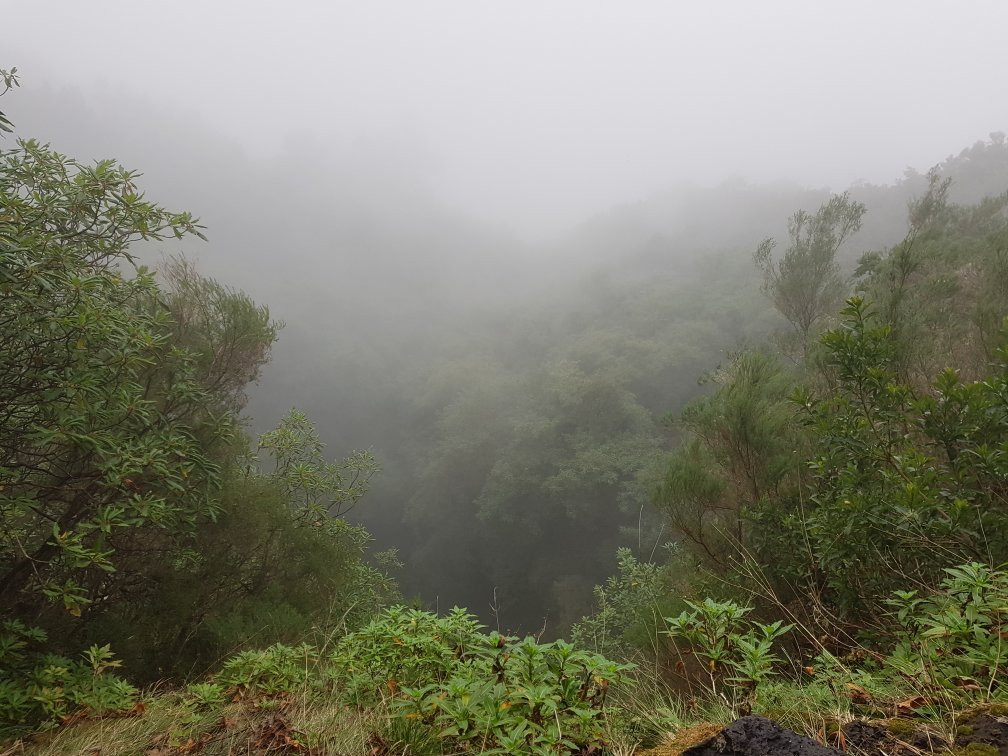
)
(534, 116)
(496, 230)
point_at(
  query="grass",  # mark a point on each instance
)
(648, 718)
(167, 723)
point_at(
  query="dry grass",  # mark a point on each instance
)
(168, 726)
(685, 738)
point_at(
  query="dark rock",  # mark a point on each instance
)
(926, 741)
(863, 737)
(759, 736)
(985, 730)
(884, 739)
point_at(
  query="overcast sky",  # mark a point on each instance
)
(536, 114)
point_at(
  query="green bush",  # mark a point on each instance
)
(954, 638)
(38, 690)
(901, 481)
(277, 669)
(132, 505)
(205, 695)
(733, 652)
(628, 609)
(443, 677)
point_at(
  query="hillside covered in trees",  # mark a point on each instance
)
(678, 469)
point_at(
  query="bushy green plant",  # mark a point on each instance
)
(733, 651)
(954, 638)
(205, 695)
(275, 563)
(277, 669)
(131, 507)
(442, 679)
(97, 445)
(483, 692)
(740, 448)
(902, 482)
(38, 689)
(627, 609)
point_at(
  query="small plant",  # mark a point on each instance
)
(628, 608)
(733, 651)
(477, 691)
(954, 638)
(38, 690)
(277, 669)
(206, 695)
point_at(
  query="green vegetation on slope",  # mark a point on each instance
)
(133, 507)
(834, 503)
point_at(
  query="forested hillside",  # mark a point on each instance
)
(555, 409)
(443, 344)
(744, 446)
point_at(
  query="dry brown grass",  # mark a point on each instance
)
(166, 726)
(685, 738)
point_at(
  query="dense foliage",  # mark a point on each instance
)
(902, 483)
(875, 462)
(108, 434)
(484, 692)
(824, 515)
(132, 509)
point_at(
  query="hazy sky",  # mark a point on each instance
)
(535, 114)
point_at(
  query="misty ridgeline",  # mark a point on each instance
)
(712, 436)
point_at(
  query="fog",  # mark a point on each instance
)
(534, 115)
(507, 238)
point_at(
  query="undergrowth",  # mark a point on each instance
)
(411, 682)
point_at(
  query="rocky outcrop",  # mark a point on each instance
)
(759, 736)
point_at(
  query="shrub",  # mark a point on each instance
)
(954, 638)
(277, 669)
(38, 689)
(477, 690)
(734, 652)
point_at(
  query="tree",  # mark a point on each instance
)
(277, 560)
(131, 507)
(105, 428)
(805, 283)
(10, 80)
(229, 335)
(740, 447)
(902, 483)
(943, 289)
